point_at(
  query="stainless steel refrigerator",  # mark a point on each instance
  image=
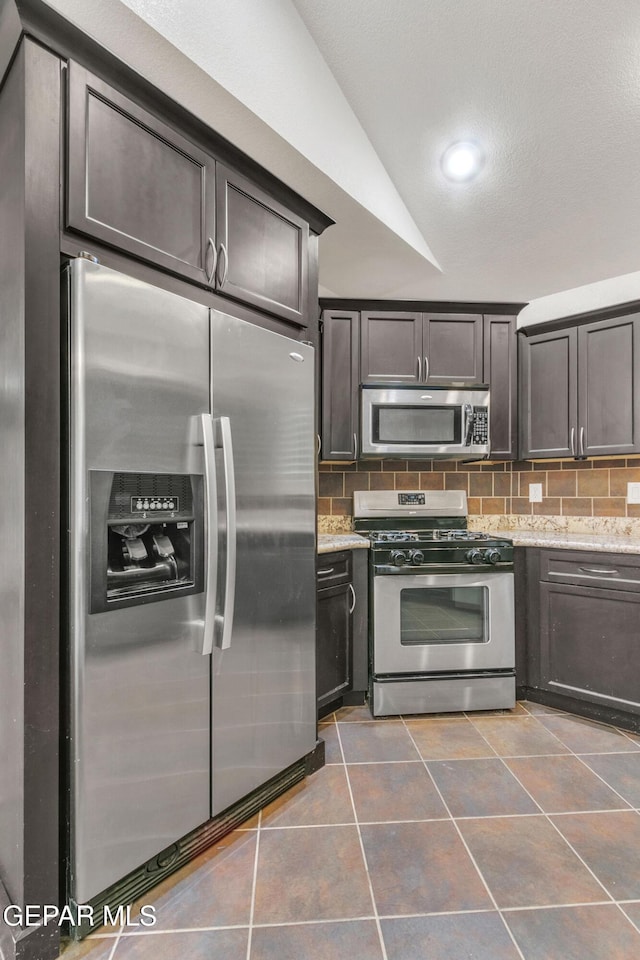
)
(191, 567)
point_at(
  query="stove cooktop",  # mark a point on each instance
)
(426, 536)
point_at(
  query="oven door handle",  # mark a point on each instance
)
(468, 424)
(388, 569)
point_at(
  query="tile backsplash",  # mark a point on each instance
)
(570, 488)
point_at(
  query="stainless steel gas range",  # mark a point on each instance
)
(441, 617)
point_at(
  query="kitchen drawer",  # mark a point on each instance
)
(606, 571)
(334, 568)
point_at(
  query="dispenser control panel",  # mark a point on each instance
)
(165, 504)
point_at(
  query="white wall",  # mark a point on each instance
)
(591, 296)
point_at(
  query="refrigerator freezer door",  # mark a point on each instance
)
(264, 713)
(140, 687)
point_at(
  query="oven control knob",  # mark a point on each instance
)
(416, 557)
(475, 556)
(493, 556)
(398, 557)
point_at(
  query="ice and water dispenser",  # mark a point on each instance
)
(146, 537)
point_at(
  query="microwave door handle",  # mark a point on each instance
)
(469, 418)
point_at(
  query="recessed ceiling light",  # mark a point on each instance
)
(462, 161)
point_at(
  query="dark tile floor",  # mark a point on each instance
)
(460, 837)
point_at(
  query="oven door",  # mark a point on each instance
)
(449, 622)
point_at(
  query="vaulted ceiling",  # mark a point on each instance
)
(552, 91)
(352, 102)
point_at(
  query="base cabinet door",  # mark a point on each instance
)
(333, 651)
(334, 626)
(590, 644)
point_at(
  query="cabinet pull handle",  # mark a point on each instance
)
(419, 369)
(222, 279)
(355, 446)
(209, 274)
(319, 443)
(326, 571)
(582, 441)
(426, 368)
(572, 442)
(602, 573)
(353, 595)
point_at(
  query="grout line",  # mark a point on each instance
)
(626, 915)
(561, 906)
(548, 816)
(469, 854)
(254, 884)
(364, 855)
(115, 945)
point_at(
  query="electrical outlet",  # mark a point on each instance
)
(633, 493)
(535, 492)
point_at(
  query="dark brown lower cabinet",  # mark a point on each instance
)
(333, 651)
(590, 643)
(584, 650)
(341, 630)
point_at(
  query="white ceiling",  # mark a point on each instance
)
(353, 101)
(551, 88)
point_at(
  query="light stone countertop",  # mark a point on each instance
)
(560, 540)
(330, 542)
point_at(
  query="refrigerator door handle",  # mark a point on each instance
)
(223, 425)
(211, 500)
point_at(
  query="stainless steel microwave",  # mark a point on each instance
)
(424, 422)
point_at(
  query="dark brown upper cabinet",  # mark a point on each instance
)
(390, 347)
(500, 371)
(263, 248)
(548, 394)
(452, 348)
(580, 390)
(339, 426)
(135, 184)
(609, 386)
(439, 349)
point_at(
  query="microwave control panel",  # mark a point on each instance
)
(480, 425)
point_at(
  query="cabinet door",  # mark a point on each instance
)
(452, 346)
(134, 183)
(333, 644)
(500, 372)
(340, 340)
(548, 394)
(609, 386)
(390, 347)
(263, 249)
(589, 644)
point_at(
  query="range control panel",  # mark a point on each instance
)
(412, 498)
(143, 504)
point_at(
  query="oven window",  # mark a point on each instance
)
(444, 615)
(413, 424)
